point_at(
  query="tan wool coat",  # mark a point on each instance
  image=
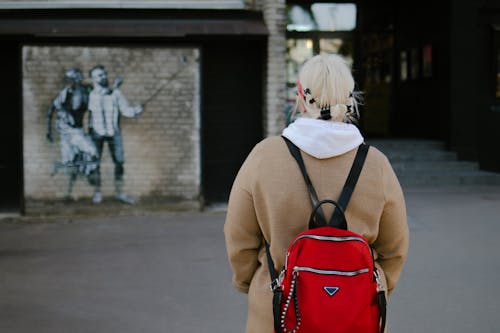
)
(269, 200)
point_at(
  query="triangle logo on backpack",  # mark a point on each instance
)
(331, 290)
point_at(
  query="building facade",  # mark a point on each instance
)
(215, 77)
(199, 68)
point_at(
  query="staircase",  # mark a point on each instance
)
(427, 163)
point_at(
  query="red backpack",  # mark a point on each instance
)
(329, 283)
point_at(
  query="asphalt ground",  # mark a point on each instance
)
(168, 272)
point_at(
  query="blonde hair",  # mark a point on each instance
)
(326, 84)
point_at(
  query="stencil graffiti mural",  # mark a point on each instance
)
(78, 152)
(91, 111)
(106, 104)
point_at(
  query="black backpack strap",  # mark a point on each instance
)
(382, 305)
(275, 287)
(338, 219)
(295, 151)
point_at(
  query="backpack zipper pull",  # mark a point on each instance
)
(380, 287)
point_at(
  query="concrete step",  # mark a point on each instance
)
(420, 156)
(427, 163)
(405, 150)
(405, 144)
(419, 166)
(449, 178)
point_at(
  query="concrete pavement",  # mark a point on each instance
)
(168, 272)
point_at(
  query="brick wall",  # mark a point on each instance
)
(275, 18)
(162, 145)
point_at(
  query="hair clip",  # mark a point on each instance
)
(325, 113)
(300, 91)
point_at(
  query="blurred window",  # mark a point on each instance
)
(321, 17)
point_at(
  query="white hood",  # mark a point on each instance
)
(323, 139)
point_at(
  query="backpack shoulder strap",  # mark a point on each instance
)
(276, 288)
(295, 151)
(337, 219)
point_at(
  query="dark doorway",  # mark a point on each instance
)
(489, 136)
(376, 79)
(233, 76)
(422, 75)
(10, 129)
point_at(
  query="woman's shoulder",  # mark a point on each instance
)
(381, 162)
(271, 144)
(377, 155)
(266, 151)
(261, 157)
(377, 161)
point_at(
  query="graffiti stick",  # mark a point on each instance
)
(165, 83)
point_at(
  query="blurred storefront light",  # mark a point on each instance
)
(322, 17)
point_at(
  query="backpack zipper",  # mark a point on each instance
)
(323, 238)
(329, 238)
(330, 272)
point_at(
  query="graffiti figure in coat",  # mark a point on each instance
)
(78, 152)
(106, 105)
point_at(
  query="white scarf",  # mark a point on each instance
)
(323, 139)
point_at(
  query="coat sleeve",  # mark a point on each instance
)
(242, 233)
(393, 237)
